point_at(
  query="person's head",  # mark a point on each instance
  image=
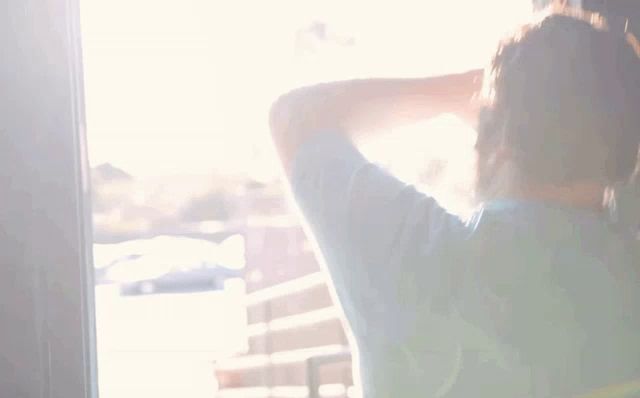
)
(563, 110)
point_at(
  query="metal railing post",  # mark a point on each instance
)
(313, 365)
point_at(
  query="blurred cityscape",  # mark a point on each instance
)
(209, 293)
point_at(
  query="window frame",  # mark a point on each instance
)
(48, 338)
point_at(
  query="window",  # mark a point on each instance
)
(177, 100)
(204, 280)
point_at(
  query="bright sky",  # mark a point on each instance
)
(183, 86)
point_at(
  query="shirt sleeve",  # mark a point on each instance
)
(372, 229)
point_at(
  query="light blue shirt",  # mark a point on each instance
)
(528, 299)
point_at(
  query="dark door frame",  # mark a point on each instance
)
(47, 326)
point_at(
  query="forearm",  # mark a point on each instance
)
(360, 107)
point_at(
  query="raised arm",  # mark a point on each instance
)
(360, 107)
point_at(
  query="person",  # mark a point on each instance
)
(538, 293)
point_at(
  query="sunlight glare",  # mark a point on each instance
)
(184, 86)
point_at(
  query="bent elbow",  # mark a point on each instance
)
(282, 121)
(280, 115)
